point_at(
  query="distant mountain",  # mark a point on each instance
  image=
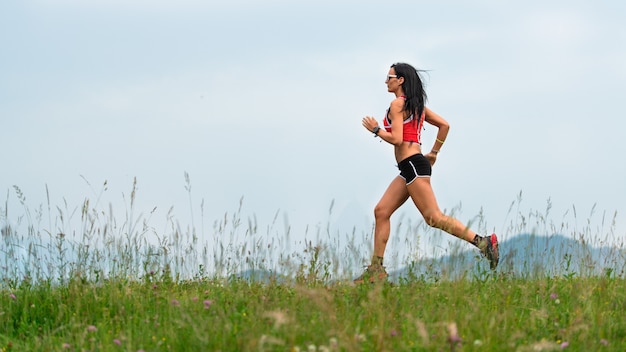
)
(521, 256)
(526, 255)
(260, 275)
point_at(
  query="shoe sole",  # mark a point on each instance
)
(493, 239)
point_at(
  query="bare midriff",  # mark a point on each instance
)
(406, 149)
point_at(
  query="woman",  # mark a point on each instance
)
(402, 128)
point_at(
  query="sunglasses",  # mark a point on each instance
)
(391, 76)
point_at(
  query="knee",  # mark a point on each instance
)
(381, 212)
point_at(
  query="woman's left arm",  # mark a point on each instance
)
(443, 127)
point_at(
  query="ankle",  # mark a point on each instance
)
(476, 241)
(377, 261)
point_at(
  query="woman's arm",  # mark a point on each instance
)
(443, 128)
(396, 116)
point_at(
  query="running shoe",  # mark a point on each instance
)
(373, 273)
(489, 248)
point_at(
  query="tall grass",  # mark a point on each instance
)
(78, 278)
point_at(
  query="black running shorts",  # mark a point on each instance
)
(413, 167)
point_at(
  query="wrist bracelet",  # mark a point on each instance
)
(435, 151)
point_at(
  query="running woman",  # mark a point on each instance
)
(402, 128)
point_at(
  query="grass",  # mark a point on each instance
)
(88, 282)
(500, 313)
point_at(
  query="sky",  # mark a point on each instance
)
(260, 104)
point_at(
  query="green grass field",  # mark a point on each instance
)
(159, 314)
(96, 283)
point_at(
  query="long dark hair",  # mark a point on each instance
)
(413, 89)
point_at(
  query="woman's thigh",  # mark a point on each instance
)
(395, 195)
(423, 197)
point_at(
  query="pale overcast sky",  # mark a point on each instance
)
(264, 100)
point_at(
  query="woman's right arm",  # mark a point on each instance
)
(395, 115)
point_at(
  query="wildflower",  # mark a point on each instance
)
(12, 296)
(311, 348)
(334, 344)
(421, 329)
(453, 332)
(92, 328)
(207, 303)
(604, 342)
(175, 303)
(117, 342)
(280, 318)
(66, 345)
(553, 296)
(269, 340)
(478, 343)
(393, 332)
(564, 344)
(195, 299)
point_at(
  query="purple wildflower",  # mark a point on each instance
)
(453, 334)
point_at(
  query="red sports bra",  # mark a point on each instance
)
(411, 131)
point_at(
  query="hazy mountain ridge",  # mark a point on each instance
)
(523, 255)
(527, 255)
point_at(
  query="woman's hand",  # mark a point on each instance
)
(431, 157)
(370, 123)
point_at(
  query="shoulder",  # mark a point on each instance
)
(395, 109)
(397, 103)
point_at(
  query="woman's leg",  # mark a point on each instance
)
(395, 195)
(422, 194)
